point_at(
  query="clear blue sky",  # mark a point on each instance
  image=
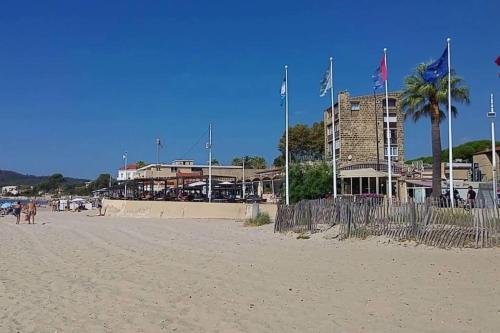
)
(82, 81)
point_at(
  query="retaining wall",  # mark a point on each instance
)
(188, 210)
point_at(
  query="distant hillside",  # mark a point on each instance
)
(463, 151)
(15, 178)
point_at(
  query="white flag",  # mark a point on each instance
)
(283, 91)
(326, 83)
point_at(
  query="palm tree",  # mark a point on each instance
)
(422, 99)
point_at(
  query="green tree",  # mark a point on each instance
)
(309, 181)
(53, 184)
(215, 162)
(140, 164)
(303, 142)
(464, 151)
(251, 162)
(422, 99)
(101, 181)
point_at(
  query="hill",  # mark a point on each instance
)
(463, 151)
(8, 177)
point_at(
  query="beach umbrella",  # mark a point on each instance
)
(6, 205)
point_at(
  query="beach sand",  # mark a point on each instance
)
(75, 273)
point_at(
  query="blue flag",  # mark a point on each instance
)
(380, 75)
(437, 69)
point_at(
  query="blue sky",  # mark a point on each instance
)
(82, 81)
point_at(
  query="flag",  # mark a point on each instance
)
(326, 83)
(497, 61)
(283, 91)
(437, 69)
(380, 75)
(158, 143)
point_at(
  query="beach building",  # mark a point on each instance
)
(483, 165)
(11, 189)
(187, 167)
(360, 141)
(127, 173)
(185, 174)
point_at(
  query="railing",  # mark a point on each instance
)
(433, 223)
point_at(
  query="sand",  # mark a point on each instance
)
(75, 273)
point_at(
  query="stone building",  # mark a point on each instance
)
(361, 159)
(484, 162)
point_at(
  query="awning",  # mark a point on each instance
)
(196, 184)
(419, 182)
(362, 173)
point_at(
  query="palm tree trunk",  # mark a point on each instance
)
(436, 151)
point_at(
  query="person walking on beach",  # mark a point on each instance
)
(471, 197)
(17, 211)
(31, 212)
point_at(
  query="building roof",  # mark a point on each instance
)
(420, 182)
(130, 166)
(149, 166)
(363, 173)
(486, 151)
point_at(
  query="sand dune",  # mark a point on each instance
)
(74, 273)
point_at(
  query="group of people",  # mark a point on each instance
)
(28, 210)
(470, 201)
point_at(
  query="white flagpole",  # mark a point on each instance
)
(243, 182)
(450, 138)
(287, 183)
(210, 162)
(334, 159)
(125, 156)
(491, 114)
(389, 160)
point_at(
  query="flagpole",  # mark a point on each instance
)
(450, 138)
(243, 183)
(210, 162)
(334, 160)
(287, 192)
(125, 156)
(491, 115)
(158, 142)
(389, 166)
(376, 128)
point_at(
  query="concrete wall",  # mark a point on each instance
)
(188, 210)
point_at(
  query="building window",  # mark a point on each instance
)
(394, 137)
(394, 151)
(329, 130)
(392, 125)
(174, 169)
(391, 102)
(355, 106)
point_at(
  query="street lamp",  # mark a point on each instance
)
(125, 156)
(492, 116)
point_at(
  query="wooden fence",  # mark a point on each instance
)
(432, 223)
